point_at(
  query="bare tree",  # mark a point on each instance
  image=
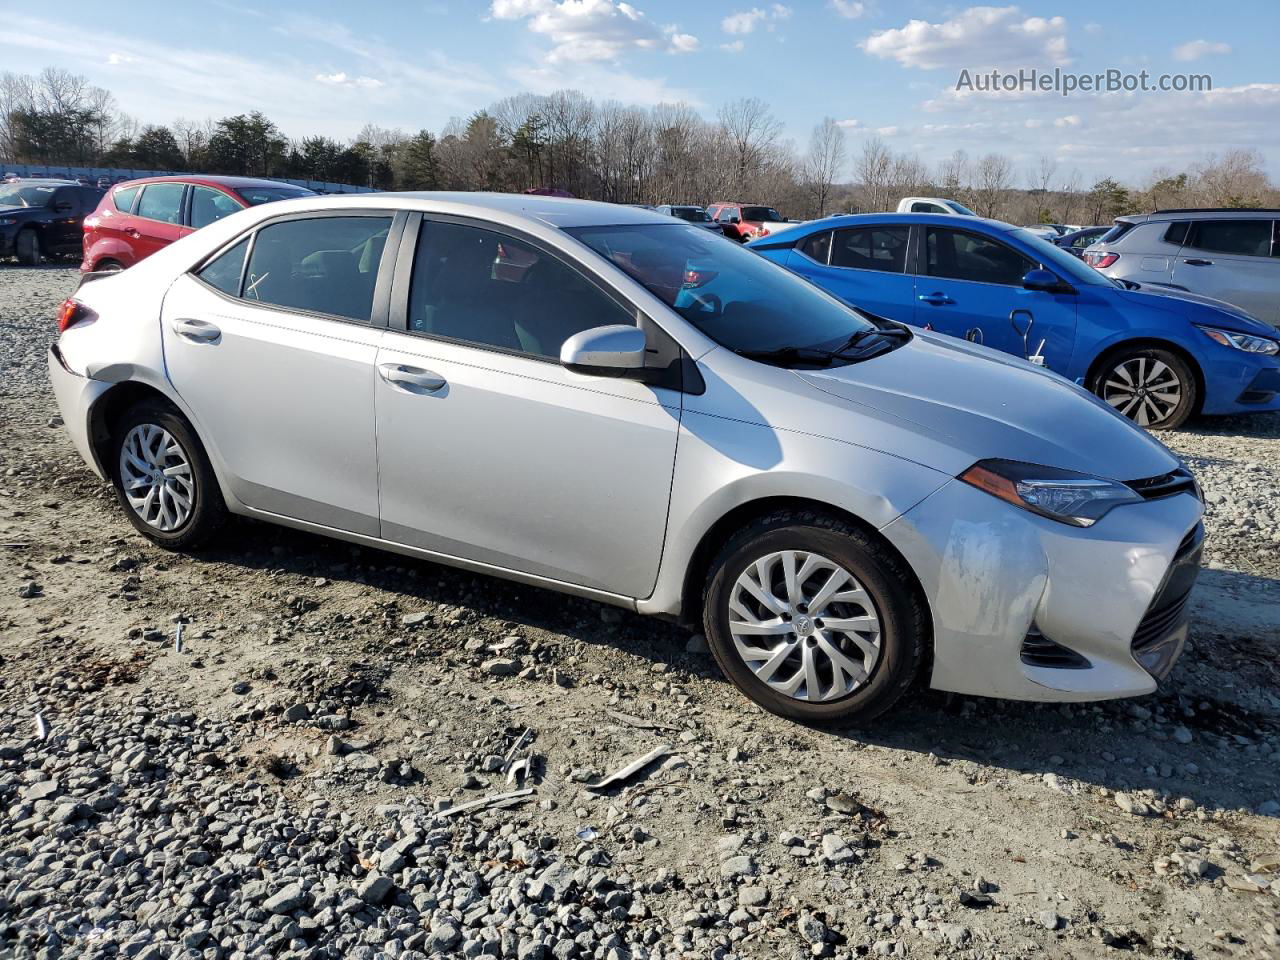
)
(824, 161)
(750, 128)
(992, 181)
(873, 169)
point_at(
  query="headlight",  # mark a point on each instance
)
(1063, 495)
(1241, 341)
(8, 221)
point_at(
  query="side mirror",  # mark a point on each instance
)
(608, 351)
(1041, 279)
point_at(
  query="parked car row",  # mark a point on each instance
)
(609, 402)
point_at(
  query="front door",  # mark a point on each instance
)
(491, 451)
(276, 360)
(970, 285)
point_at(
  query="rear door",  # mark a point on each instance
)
(865, 266)
(63, 231)
(272, 346)
(489, 449)
(157, 218)
(969, 285)
(1233, 260)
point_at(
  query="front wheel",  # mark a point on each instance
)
(1153, 387)
(27, 248)
(163, 477)
(814, 619)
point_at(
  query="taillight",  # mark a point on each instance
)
(70, 313)
(1101, 260)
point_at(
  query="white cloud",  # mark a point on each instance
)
(849, 9)
(735, 46)
(115, 59)
(1071, 120)
(345, 80)
(976, 38)
(1199, 48)
(746, 21)
(888, 131)
(850, 124)
(586, 31)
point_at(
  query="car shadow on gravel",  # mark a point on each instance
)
(1121, 745)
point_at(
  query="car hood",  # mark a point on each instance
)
(966, 403)
(11, 211)
(1197, 308)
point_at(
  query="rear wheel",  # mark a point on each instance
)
(814, 619)
(27, 247)
(163, 477)
(109, 266)
(1153, 387)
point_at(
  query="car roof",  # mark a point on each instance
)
(558, 212)
(47, 182)
(236, 183)
(1202, 213)
(939, 219)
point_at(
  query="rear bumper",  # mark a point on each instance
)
(76, 396)
(998, 578)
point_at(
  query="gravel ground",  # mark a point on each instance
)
(290, 778)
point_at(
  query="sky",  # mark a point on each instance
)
(885, 68)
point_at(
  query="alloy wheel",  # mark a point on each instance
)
(156, 476)
(804, 626)
(1144, 389)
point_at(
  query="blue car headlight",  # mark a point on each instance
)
(8, 221)
(1074, 498)
(1242, 341)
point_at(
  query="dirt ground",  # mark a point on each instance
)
(1150, 826)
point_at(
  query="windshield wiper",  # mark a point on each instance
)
(791, 353)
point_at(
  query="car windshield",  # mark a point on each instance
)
(256, 195)
(16, 195)
(736, 297)
(692, 214)
(761, 214)
(1061, 262)
(961, 209)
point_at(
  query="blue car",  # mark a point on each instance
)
(1156, 356)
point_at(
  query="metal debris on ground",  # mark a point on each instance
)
(177, 639)
(42, 728)
(493, 801)
(631, 769)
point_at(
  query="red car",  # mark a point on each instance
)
(138, 217)
(745, 221)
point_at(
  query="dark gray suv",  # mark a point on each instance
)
(1228, 254)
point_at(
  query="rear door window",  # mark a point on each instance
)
(871, 248)
(325, 265)
(1246, 238)
(162, 201)
(967, 256)
(123, 198)
(208, 205)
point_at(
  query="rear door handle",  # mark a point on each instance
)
(411, 378)
(201, 331)
(937, 299)
(1198, 262)
(130, 231)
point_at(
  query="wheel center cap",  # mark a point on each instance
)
(803, 625)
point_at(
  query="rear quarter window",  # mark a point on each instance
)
(1177, 233)
(123, 199)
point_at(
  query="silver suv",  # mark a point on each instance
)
(1228, 254)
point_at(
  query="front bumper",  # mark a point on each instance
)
(1237, 382)
(76, 396)
(999, 578)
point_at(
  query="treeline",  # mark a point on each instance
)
(601, 150)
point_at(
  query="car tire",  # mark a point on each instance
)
(108, 266)
(1152, 386)
(878, 588)
(26, 246)
(175, 508)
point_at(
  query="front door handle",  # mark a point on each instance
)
(200, 331)
(1198, 262)
(937, 299)
(412, 378)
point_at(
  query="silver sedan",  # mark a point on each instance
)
(599, 400)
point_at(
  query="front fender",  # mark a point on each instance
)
(724, 464)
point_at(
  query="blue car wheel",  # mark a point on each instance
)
(1151, 386)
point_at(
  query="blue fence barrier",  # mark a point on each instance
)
(61, 171)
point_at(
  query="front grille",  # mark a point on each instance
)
(1263, 389)
(1165, 485)
(1170, 603)
(1039, 651)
